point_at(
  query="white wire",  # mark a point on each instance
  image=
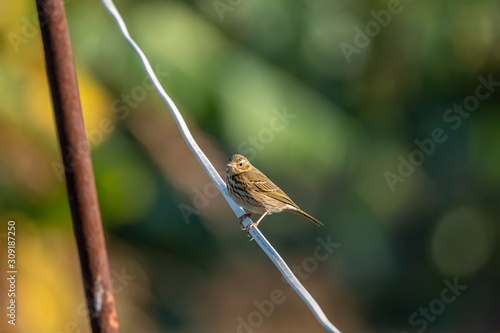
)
(214, 175)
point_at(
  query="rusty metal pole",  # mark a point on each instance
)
(78, 171)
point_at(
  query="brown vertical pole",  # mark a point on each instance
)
(78, 172)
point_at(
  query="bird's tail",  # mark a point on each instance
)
(301, 212)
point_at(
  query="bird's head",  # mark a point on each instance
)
(237, 164)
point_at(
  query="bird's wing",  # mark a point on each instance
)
(267, 187)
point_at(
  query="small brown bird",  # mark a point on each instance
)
(253, 191)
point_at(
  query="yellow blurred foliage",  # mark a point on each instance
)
(49, 284)
(24, 80)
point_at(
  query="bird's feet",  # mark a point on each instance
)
(241, 218)
(250, 226)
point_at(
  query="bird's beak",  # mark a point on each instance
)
(230, 165)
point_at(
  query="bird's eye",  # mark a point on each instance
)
(241, 164)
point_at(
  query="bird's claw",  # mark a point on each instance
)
(241, 218)
(250, 226)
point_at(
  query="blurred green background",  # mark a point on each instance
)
(328, 99)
